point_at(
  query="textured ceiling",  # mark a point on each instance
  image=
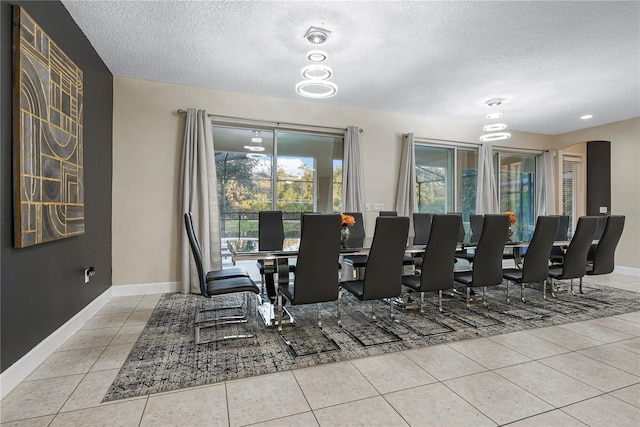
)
(551, 61)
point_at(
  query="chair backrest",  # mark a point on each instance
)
(388, 213)
(536, 263)
(461, 230)
(487, 262)
(270, 231)
(603, 260)
(563, 228)
(574, 264)
(440, 254)
(602, 222)
(357, 232)
(476, 227)
(421, 228)
(316, 276)
(383, 275)
(196, 251)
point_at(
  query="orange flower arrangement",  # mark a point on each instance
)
(512, 217)
(348, 220)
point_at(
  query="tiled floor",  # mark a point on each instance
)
(585, 373)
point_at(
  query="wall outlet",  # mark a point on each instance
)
(88, 273)
(603, 209)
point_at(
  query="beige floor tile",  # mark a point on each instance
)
(128, 334)
(605, 411)
(118, 307)
(89, 338)
(202, 406)
(121, 414)
(489, 353)
(374, 411)
(90, 391)
(264, 392)
(529, 345)
(31, 422)
(306, 419)
(564, 338)
(62, 363)
(112, 357)
(149, 302)
(629, 317)
(111, 320)
(631, 345)
(596, 374)
(630, 286)
(548, 384)
(630, 395)
(497, 398)
(391, 372)
(443, 362)
(597, 332)
(609, 279)
(37, 398)
(555, 418)
(436, 405)
(615, 356)
(333, 384)
(619, 325)
(138, 317)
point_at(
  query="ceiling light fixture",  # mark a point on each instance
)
(494, 128)
(256, 144)
(316, 83)
(586, 117)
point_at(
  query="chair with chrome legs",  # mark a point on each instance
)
(356, 240)
(574, 264)
(487, 264)
(536, 265)
(316, 277)
(271, 238)
(603, 259)
(220, 284)
(383, 275)
(437, 260)
(421, 230)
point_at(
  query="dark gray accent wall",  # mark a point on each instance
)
(598, 176)
(42, 286)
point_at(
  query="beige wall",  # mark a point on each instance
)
(625, 178)
(147, 151)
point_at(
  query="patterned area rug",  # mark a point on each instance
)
(165, 357)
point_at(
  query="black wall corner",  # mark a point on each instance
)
(598, 177)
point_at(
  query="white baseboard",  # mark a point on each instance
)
(14, 374)
(145, 289)
(627, 271)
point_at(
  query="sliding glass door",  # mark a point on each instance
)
(516, 190)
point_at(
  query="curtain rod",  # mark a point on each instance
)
(477, 144)
(181, 111)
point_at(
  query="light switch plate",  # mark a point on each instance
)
(603, 209)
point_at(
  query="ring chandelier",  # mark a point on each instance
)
(316, 83)
(496, 128)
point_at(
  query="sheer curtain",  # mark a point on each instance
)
(487, 197)
(545, 183)
(198, 186)
(352, 185)
(406, 199)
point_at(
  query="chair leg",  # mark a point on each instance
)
(320, 315)
(508, 300)
(552, 292)
(484, 291)
(278, 315)
(373, 312)
(522, 292)
(391, 304)
(581, 286)
(339, 307)
(439, 300)
(468, 297)
(544, 289)
(571, 288)
(421, 302)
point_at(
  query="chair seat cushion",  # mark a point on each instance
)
(356, 287)
(589, 268)
(555, 272)
(287, 291)
(412, 281)
(357, 261)
(226, 273)
(513, 274)
(464, 277)
(230, 285)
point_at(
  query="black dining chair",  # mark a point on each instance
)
(437, 259)
(271, 238)
(315, 280)
(536, 265)
(421, 230)
(383, 275)
(562, 235)
(487, 264)
(356, 240)
(602, 222)
(219, 287)
(476, 227)
(574, 261)
(603, 259)
(388, 213)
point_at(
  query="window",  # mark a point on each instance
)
(570, 189)
(446, 180)
(267, 169)
(516, 190)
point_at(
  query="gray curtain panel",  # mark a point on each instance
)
(199, 195)
(406, 198)
(487, 197)
(545, 183)
(352, 183)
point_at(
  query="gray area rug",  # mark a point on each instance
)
(165, 357)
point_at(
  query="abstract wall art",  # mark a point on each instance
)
(48, 154)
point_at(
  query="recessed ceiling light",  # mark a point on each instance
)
(586, 117)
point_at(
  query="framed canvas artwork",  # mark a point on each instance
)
(48, 151)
